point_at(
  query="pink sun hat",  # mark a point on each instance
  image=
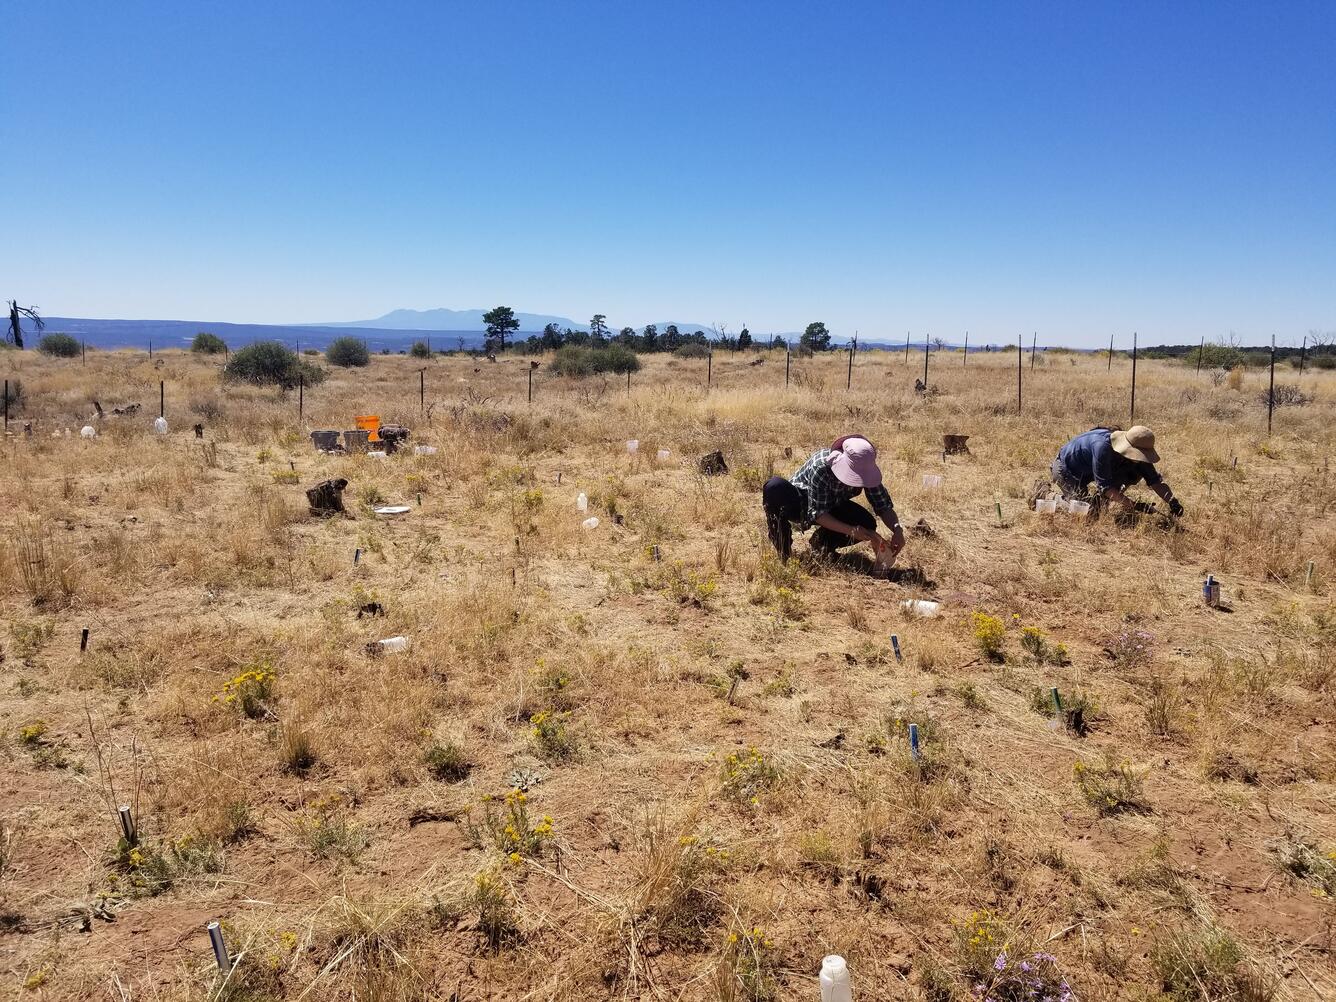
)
(853, 460)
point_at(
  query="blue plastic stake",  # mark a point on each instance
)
(895, 646)
(219, 947)
(914, 741)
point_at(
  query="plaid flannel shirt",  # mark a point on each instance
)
(824, 491)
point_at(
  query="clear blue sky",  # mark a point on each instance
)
(1080, 169)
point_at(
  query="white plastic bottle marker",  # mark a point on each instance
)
(160, 425)
(663, 455)
(582, 502)
(632, 444)
(591, 522)
(835, 984)
(932, 481)
(87, 431)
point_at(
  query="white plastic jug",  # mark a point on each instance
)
(632, 444)
(582, 502)
(591, 522)
(160, 425)
(87, 431)
(393, 645)
(835, 984)
(664, 454)
(921, 608)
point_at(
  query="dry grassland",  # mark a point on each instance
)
(718, 788)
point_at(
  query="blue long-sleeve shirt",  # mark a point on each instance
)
(1091, 457)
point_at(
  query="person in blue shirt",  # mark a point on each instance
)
(1112, 460)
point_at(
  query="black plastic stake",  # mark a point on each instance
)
(162, 398)
(709, 369)
(83, 640)
(925, 364)
(530, 384)
(1133, 411)
(787, 355)
(219, 947)
(1200, 352)
(127, 825)
(1110, 352)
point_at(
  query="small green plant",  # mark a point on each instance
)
(419, 350)
(491, 898)
(32, 735)
(513, 832)
(816, 852)
(1202, 966)
(30, 636)
(447, 762)
(969, 695)
(747, 776)
(990, 635)
(1303, 860)
(145, 870)
(686, 585)
(251, 692)
(552, 735)
(329, 832)
(747, 968)
(1110, 788)
(1038, 646)
(287, 477)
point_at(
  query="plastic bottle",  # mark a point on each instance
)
(632, 444)
(393, 645)
(582, 502)
(921, 607)
(663, 455)
(160, 425)
(87, 431)
(835, 985)
(591, 522)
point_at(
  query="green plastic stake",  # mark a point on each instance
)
(1057, 700)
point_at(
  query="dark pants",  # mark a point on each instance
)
(785, 504)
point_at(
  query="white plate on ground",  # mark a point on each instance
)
(392, 510)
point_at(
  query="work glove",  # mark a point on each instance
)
(1144, 508)
(1175, 508)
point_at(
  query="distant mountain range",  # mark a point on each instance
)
(471, 320)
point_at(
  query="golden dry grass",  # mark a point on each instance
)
(718, 740)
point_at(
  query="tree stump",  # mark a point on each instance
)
(953, 445)
(326, 497)
(713, 465)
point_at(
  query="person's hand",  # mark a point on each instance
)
(897, 539)
(1175, 508)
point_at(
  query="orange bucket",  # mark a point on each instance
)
(369, 423)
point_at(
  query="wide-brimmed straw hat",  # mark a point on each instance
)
(853, 460)
(1137, 444)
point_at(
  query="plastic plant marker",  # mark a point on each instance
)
(83, 635)
(219, 947)
(1308, 576)
(834, 980)
(998, 506)
(895, 646)
(914, 741)
(127, 825)
(357, 557)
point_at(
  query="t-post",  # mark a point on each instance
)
(849, 379)
(906, 347)
(1271, 389)
(1110, 352)
(1303, 355)
(926, 342)
(1020, 369)
(1201, 350)
(162, 398)
(787, 357)
(966, 359)
(1034, 341)
(1133, 411)
(422, 390)
(709, 368)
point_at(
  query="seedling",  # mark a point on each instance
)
(219, 947)
(127, 825)
(895, 646)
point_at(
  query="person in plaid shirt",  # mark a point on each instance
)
(821, 493)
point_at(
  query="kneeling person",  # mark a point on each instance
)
(821, 493)
(1113, 460)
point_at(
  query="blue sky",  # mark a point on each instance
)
(1076, 169)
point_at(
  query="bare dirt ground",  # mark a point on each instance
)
(595, 774)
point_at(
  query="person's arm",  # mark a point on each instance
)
(880, 499)
(828, 521)
(1119, 498)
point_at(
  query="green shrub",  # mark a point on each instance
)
(579, 361)
(420, 350)
(59, 346)
(208, 344)
(347, 352)
(693, 350)
(268, 363)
